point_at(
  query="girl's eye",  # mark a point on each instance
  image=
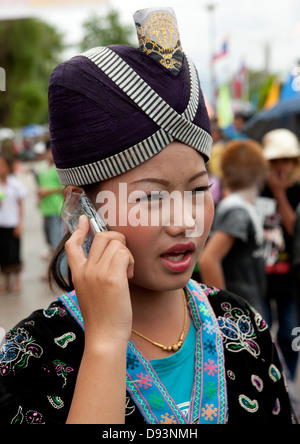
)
(155, 196)
(142, 196)
(205, 188)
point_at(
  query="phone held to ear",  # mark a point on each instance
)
(75, 205)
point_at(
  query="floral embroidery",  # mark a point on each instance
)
(209, 412)
(274, 373)
(64, 340)
(260, 322)
(169, 62)
(31, 417)
(209, 291)
(231, 375)
(17, 351)
(200, 296)
(257, 382)
(62, 370)
(156, 400)
(248, 404)
(238, 330)
(210, 367)
(132, 362)
(208, 327)
(129, 409)
(166, 419)
(52, 311)
(144, 381)
(210, 347)
(146, 389)
(32, 323)
(210, 390)
(276, 409)
(56, 402)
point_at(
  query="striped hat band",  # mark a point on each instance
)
(172, 125)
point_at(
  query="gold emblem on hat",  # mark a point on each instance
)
(159, 37)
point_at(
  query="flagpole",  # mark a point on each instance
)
(246, 91)
(211, 9)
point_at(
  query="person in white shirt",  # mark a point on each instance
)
(12, 193)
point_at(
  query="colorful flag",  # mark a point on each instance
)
(223, 51)
(291, 87)
(238, 82)
(224, 112)
(273, 95)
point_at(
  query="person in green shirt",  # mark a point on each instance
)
(50, 200)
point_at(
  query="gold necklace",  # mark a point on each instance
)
(178, 345)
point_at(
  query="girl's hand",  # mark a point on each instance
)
(101, 284)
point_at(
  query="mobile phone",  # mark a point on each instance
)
(77, 204)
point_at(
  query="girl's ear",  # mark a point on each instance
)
(73, 189)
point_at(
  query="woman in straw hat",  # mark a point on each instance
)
(278, 203)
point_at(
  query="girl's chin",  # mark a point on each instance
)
(162, 281)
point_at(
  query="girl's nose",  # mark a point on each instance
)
(186, 215)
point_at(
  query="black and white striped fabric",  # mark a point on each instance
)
(173, 126)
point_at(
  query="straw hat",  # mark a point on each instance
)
(280, 144)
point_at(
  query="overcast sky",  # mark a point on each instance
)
(250, 25)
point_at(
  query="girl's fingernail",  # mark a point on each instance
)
(81, 219)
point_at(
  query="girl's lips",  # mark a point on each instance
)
(180, 248)
(178, 258)
(178, 266)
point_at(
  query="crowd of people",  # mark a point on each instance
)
(100, 353)
(253, 249)
(48, 195)
(273, 190)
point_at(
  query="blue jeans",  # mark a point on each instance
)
(54, 230)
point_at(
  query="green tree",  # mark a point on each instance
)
(106, 30)
(29, 50)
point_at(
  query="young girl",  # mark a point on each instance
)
(12, 193)
(134, 340)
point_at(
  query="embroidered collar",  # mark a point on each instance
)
(209, 395)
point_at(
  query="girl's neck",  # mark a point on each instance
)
(153, 309)
(160, 317)
(150, 303)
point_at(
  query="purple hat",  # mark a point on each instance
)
(112, 108)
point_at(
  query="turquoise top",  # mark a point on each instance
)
(177, 372)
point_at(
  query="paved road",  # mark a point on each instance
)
(35, 292)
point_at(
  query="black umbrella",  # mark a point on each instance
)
(286, 114)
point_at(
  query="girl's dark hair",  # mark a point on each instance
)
(59, 272)
(56, 273)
